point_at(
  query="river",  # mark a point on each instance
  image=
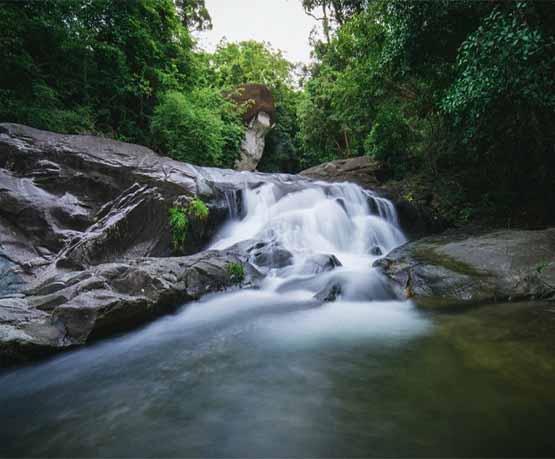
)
(273, 371)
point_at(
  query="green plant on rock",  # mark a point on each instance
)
(179, 224)
(236, 272)
(198, 209)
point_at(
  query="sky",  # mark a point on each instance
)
(283, 23)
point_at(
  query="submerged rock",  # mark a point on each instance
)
(329, 294)
(460, 269)
(320, 263)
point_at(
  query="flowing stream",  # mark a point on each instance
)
(275, 371)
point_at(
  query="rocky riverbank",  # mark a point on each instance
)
(458, 269)
(85, 246)
(85, 239)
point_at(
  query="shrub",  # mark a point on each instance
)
(236, 272)
(198, 209)
(179, 224)
(200, 128)
(389, 139)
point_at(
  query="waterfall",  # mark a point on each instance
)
(231, 199)
(316, 237)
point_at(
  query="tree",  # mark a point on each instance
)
(234, 64)
(93, 66)
(194, 14)
(334, 12)
(201, 127)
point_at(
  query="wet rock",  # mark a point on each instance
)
(84, 200)
(461, 269)
(320, 263)
(82, 222)
(268, 254)
(362, 170)
(329, 294)
(71, 309)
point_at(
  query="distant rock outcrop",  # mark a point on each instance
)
(259, 117)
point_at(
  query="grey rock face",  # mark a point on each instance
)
(72, 308)
(448, 270)
(83, 224)
(252, 146)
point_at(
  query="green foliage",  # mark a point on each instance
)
(179, 225)
(389, 139)
(233, 64)
(198, 127)
(194, 14)
(236, 272)
(501, 97)
(458, 90)
(95, 66)
(281, 153)
(182, 220)
(543, 266)
(198, 209)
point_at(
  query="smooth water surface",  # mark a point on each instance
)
(242, 375)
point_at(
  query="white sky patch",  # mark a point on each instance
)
(282, 23)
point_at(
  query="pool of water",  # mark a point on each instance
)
(250, 374)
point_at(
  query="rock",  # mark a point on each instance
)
(256, 98)
(259, 118)
(467, 269)
(82, 200)
(362, 170)
(84, 230)
(320, 263)
(329, 294)
(252, 147)
(265, 254)
(71, 309)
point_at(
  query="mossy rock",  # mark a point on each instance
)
(455, 271)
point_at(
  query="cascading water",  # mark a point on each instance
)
(318, 239)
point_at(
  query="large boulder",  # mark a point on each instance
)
(255, 99)
(78, 211)
(259, 117)
(72, 308)
(461, 269)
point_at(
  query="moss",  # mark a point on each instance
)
(236, 272)
(429, 255)
(436, 303)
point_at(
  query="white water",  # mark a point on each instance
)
(331, 219)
